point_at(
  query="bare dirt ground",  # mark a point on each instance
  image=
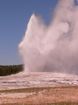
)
(40, 96)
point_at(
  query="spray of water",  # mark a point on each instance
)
(53, 47)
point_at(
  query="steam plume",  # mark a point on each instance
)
(53, 47)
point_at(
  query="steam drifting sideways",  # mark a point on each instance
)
(53, 47)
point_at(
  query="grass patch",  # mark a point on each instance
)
(37, 89)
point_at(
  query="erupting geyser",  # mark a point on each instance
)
(53, 47)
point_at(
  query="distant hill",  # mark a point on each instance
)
(10, 69)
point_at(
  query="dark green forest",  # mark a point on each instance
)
(10, 69)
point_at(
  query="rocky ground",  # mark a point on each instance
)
(39, 89)
(40, 96)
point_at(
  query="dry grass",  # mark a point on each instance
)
(43, 96)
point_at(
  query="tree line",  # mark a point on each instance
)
(10, 69)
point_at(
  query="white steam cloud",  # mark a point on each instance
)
(53, 47)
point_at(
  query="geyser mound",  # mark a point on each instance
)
(53, 47)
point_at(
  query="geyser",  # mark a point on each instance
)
(53, 47)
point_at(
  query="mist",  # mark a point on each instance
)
(53, 47)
